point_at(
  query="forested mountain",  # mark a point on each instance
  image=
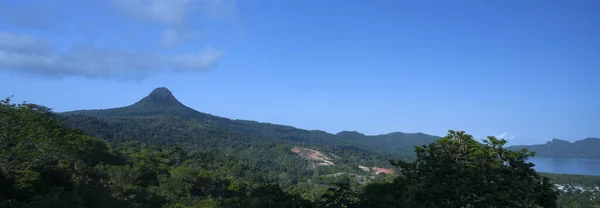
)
(160, 107)
(586, 148)
(160, 119)
(45, 164)
(162, 113)
(159, 152)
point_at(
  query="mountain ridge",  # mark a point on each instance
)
(585, 148)
(162, 102)
(163, 97)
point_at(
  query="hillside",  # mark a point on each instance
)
(161, 103)
(586, 148)
(299, 160)
(160, 118)
(48, 165)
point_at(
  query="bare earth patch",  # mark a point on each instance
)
(319, 158)
(377, 170)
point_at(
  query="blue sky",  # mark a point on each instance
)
(526, 70)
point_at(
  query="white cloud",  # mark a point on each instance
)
(33, 55)
(23, 44)
(173, 15)
(172, 12)
(46, 16)
(26, 54)
(173, 37)
(505, 136)
(83, 60)
(220, 9)
(501, 136)
(168, 12)
(195, 61)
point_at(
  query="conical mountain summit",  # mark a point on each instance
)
(159, 102)
(160, 96)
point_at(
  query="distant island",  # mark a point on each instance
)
(586, 148)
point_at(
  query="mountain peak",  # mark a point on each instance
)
(350, 134)
(160, 96)
(558, 141)
(160, 102)
(162, 92)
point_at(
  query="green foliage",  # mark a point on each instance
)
(457, 171)
(172, 161)
(162, 116)
(267, 157)
(341, 194)
(584, 180)
(579, 200)
(159, 119)
(570, 196)
(44, 164)
(387, 194)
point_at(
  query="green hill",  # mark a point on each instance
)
(161, 107)
(45, 164)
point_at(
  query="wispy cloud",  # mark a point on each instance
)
(24, 52)
(195, 61)
(172, 37)
(173, 15)
(15, 13)
(505, 135)
(23, 44)
(168, 12)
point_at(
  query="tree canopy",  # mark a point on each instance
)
(458, 171)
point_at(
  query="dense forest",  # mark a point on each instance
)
(168, 116)
(159, 153)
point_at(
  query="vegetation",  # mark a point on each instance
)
(172, 161)
(161, 106)
(457, 171)
(576, 190)
(160, 119)
(44, 164)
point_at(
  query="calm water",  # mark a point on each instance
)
(581, 166)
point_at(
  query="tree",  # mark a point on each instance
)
(457, 171)
(388, 194)
(44, 164)
(341, 195)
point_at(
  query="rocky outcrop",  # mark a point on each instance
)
(386, 171)
(376, 170)
(317, 158)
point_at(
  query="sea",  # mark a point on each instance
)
(579, 166)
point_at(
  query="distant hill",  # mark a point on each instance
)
(586, 148)
(162, 104)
